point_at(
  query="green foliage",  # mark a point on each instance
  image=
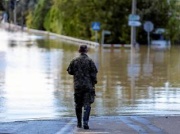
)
(173, 23)
(38, 15)
(53, 20)
(77, 21)
(1, 6)
(29, 19)
(74, 17)
(161, 13)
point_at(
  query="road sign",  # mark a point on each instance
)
(134, 17)
(106, 32)
(148, 26)
(134, 23)
(96, 26)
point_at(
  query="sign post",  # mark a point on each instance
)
(134, 22)
(133, 28)
(148, 27)
(96, 28)
(104, 32)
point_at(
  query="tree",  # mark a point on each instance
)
(2, 6)
(72, 21)
(74, 17)
(161, 13)
(36, 18)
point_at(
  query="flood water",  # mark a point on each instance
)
(34, 83)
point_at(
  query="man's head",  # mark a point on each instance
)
(83, 49)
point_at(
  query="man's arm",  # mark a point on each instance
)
(70, 68)
(93, 73)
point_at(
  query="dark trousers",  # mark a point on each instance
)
(82, 100)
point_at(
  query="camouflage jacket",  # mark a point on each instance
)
(84, 72)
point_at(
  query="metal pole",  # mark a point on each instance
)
(148, 38)
(133, 29)
(96, 36)
(102, 38)
(133, 41)
(15, 12)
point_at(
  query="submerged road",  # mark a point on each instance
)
(98, 125)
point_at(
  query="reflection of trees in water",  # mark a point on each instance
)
(55, 44)
(123, 83)
(64, 85)
(53, 53)
(116, 74)
(173, 63)
(120, 83)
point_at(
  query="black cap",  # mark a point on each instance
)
(83, 49)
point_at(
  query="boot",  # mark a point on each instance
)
(79, 117)
(87, 110)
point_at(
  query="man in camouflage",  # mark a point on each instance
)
(84, 73)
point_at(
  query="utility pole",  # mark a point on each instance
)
(133, 43)
(15, 11)
(133, 28)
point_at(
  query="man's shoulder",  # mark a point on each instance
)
(89, 59)
(82, 57)
(75, 58)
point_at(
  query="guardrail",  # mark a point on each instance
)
(116, 45)
(65, 38)
(61, 37)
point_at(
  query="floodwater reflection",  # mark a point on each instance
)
(34, 82)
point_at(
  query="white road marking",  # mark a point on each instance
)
(65, 129)
(93, 132)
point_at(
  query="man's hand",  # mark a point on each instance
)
(93, 91)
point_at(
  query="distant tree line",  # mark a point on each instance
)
(74, 17)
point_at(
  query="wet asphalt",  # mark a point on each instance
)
(98, 125)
